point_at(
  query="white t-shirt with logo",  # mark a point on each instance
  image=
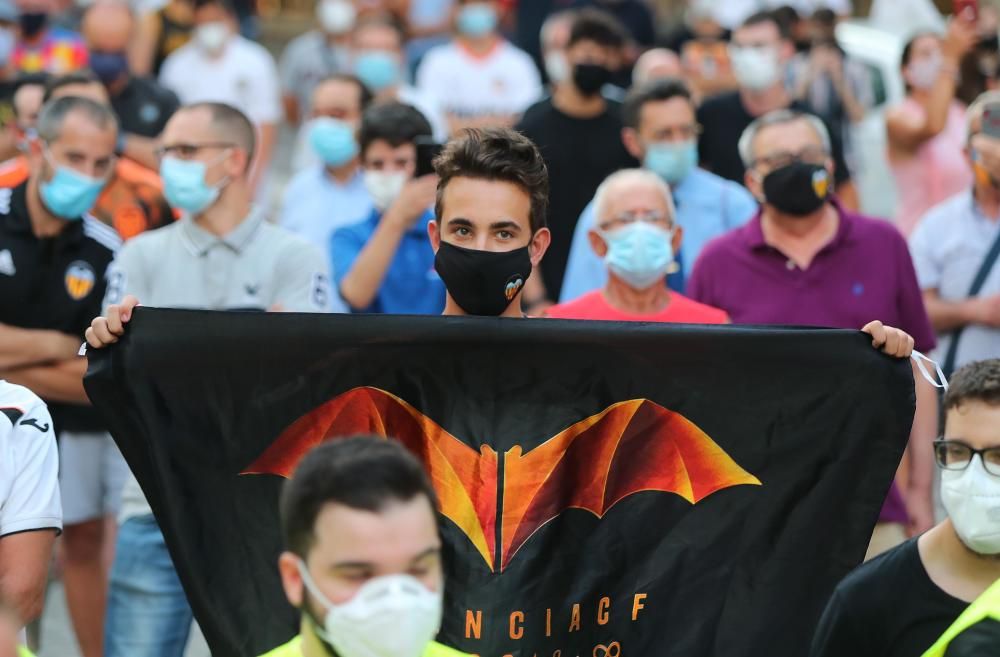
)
(244, 76)
(29, 463)
(503, 82)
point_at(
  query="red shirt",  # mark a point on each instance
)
(680, 310)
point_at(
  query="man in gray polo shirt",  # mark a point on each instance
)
(220, 255)
(950, 244)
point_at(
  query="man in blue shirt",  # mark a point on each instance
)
(385, 263)
(662, 132)
(331, 193)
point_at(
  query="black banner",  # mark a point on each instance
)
(607, 489)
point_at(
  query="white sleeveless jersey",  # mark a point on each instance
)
(29, 463)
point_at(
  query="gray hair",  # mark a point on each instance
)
(975, 111)
(779, 117)
(54, 113)
(625, 176)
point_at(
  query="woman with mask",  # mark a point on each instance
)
(926, 132)
(637, 237)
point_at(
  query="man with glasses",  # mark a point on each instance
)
(661, 132)
(636, 237)
(53, 260)
(899, 604)
(805, 260)
(221, 255)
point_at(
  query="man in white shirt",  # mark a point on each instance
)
(219, 65)
(30, 506)
(479, 78)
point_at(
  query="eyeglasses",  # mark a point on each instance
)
(189, 151)
(626, 218)
(810, 154)
(956, 455)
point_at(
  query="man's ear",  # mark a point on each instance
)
(597, 243)
(754, 185)
(675, 244)
(434, 233)
(630, 138)
(539, 245)
(291, 578)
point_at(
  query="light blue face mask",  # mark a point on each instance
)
(333, 141)
(377, 69)
(184, 185)
(70, 194)
(477, 19)
(640, 254)
(672, 161)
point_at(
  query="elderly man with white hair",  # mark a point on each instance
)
(656, 64)
(636, 236)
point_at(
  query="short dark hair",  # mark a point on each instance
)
(496, 154)
(231, 124)
(363, 472)
(366, 94)
(226, 5)
(979, 381)
(598, 26)
(652, 92)
(395, 123)
(762, 17)
(52, 84)
(383, 20)
(53, 116)
(904, 58)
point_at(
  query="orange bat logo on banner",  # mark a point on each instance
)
(630, 447)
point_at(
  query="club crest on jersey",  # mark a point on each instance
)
(79, 279)
(821, 183)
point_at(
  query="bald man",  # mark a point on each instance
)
(656, 64)
(143, 106)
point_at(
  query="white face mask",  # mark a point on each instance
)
(384, 187)
(755, 68)
(556, 67)
(212, 36)
(390, 616)
(972, 499)
(924, 73)
(336, 16)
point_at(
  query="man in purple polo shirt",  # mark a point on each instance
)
(804, 260)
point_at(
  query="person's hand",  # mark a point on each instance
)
(986, 310)
(413, 201)
(889, 340)
(106, 330)
(962, 37)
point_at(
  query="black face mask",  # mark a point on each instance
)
(797, 189)
(589, 78)
(482, 282)
(32, 23)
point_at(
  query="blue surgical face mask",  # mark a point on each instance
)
(672, 161)
(377, 69)
(108, 66)
(477, 19)
(640, 253)
(184, 185)
(70, 194)
(333, 141)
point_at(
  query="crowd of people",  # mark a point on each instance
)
(569, 159)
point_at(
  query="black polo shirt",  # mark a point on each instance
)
(53, 283)
(144, 107)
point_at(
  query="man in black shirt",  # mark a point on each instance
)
(898, 604)
(760, 51)
(143, 106)
(579, 134)
(53, 260)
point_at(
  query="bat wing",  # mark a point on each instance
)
(630, 447)
(465, 480)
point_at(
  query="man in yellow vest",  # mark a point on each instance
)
(976, 633)
(363, 554)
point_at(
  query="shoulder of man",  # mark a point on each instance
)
(718, 104)
(101, 233)
(886, 572)
(943, 215)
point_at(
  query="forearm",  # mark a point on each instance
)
(947, 316)
(361, 284)
(22, 347)
(922, 436)
(291, 106)
(60, 382)
(939, 101)
(855, 110)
